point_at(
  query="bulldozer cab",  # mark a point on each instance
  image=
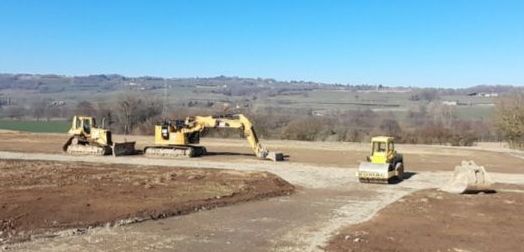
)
(82, 124)
(382, 151)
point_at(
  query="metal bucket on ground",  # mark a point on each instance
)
(469, 178)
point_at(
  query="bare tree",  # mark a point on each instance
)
(442, 113)
(132, 111)
(126, 109)
(509, 119)
(307, 129)
(85, 108)
(15, 112)
(390, 127)
(105, 114)
(39, 109)
(425, 94)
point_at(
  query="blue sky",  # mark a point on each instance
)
(440, 43)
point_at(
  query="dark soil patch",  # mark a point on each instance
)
(42, 197)
(431, 220)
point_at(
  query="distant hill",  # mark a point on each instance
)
(51, 83)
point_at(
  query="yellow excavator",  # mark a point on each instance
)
(384, 165)
(176, 138)
(87, 138)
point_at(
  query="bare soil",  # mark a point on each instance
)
(432, 220)
(42, 197)
(333, 154)
(32, 142)
(69, 195)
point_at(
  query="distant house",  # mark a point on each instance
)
(57, 103)
(318, 113)
(488, 94)
(450, 103)
(484, 94)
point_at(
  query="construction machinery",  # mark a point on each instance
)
(384, 165)
(87, 138)
(177, 138)
(469, 178)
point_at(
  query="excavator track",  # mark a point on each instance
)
(175, 151)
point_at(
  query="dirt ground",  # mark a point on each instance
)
(334, 154)
(42, 197)
(328, 198)
(432, 220)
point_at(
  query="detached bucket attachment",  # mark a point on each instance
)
(121, 149)
(469, 178)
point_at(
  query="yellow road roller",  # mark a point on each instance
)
(384, 165)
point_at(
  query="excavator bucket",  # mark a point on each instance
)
(469, 178)
(120, 149)
(275, 156)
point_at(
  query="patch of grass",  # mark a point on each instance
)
(475, 112)
(35, 126)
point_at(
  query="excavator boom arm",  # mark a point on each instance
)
(237, 121)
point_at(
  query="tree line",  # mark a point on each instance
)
(432, 123)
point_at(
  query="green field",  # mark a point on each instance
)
(35, 126)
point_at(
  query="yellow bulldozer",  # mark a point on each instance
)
(177, 138)
(87, 139)
(384, 165)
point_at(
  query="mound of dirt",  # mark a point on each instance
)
(432, 220)
(42, 197)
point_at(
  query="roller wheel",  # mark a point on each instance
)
(399, 168)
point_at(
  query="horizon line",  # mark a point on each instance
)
(440, 86)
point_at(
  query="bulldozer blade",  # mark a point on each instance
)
(275, 156)
(469, 178)
(121, 149)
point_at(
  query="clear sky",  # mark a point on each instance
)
(453, 43)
